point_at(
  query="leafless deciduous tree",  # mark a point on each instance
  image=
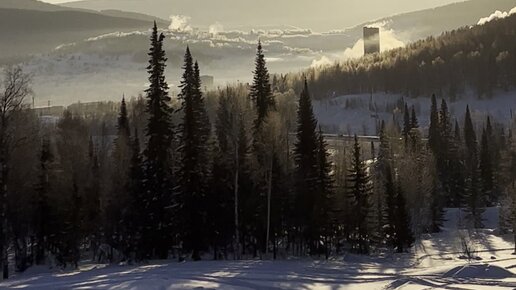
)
(14, 89)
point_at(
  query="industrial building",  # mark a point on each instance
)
(371, 40)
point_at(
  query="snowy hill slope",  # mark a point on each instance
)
(434, 263)
(359, 113)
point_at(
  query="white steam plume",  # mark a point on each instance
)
(496, 15)
(216, 28)
(322, 62)
(180, 23)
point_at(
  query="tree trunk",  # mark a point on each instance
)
(237, 234)
(269, 192)
(3, 212)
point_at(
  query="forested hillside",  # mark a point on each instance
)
(479, 58)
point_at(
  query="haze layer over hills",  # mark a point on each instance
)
(68, 49)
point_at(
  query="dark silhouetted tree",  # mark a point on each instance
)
(159, 183)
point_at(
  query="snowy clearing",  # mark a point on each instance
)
(359, 113)
(435, 263)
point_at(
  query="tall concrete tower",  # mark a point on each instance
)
(371, 40)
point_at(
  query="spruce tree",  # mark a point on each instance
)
(306, 171)
(490, 168)
(359, 189)
(403, 234)
(474, 200)
(445, 143)
(123, 122)
(261, 91)
(389, 190)
(486, 167)
(413, 119)
(324, 193)
(433, 130)
(456, 169)
(384, 152)
(470, 138)
(134, 220)
(42, 214)
(406, 125)
(456, 130)
(117, 201)
(68, 241)
(91, 202)
(280, 206)
(414, 133)
(159, 183)
(381, 173)
(194, 171)
(263, 103)
(489, 128)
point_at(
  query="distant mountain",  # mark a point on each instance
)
(43, 6)
(321, 15)
(31, 5)
(33, 27)
(134, 15)
(420, 24)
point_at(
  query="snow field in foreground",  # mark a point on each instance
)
(436, 262)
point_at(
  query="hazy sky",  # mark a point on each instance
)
(437, 2)
(57, 1)
(318, 15)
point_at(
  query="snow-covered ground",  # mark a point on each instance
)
(359, 113)
(434, 263)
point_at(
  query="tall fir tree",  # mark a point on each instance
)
(443, 157)
(402, 233)
(261, 90)
(494, 144)
(456, 169)
(91, 202)
(134, 220)
(359, 189)
(117, 201)
(473, 195)
(486, 168)
(414, 133)
(324, 193)
(406, 125)
(433, 130)
(194, 169)
(158, 169)
(306, 168)
(263, 102)
(389, 190)
(381, 173)
(413, 119)
(42, 218)
(384, 151)
(470, 138)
